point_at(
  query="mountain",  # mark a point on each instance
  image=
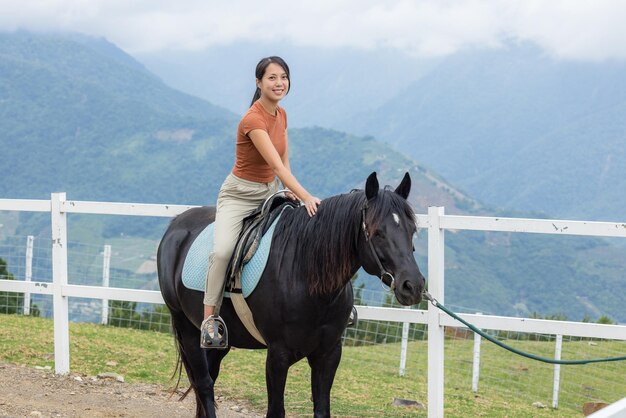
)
(518, 129)
(65, 103)
(81, 116)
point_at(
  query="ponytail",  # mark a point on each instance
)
(257, 96)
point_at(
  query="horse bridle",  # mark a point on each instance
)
(384, 274)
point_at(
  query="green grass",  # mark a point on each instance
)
(367, 379)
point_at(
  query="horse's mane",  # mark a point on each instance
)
(327, 243)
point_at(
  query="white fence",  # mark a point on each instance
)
(436, 222)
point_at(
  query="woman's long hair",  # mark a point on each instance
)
(260, 72)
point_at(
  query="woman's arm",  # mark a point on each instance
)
(285, 157)
(263, 144)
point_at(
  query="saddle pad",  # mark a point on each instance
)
(197, 261)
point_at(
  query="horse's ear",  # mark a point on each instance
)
(371, 186)
(405, 186)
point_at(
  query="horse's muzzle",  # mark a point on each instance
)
(409, 291)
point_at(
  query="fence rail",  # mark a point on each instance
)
(436, 222)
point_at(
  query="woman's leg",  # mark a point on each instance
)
(237, 198)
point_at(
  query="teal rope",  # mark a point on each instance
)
(515, 350)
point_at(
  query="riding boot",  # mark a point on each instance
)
(213, 333)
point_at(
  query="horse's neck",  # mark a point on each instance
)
(334, 257)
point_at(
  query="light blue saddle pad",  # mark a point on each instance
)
(197, 261)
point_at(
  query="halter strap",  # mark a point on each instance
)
(385, 276)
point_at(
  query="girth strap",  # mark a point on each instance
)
(243, 311)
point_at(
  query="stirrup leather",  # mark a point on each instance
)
(213, 333)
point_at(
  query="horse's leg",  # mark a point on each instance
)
(277, 365)
(323, 368)
(214, 359)
(196, 365)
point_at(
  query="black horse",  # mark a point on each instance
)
(303, 300)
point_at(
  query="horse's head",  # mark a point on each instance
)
(388, 225)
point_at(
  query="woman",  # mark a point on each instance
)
(261, 159)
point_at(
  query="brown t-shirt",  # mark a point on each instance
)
(249, 163)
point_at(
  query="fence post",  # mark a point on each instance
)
(106, 268)
(435, 330)
(476, 360)
(59, 279)
(28, 275)
(557, 372)
(404, 346)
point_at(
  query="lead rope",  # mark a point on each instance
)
(436, 303)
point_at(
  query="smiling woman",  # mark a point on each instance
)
(261, 160)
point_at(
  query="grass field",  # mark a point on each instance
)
(367, 379)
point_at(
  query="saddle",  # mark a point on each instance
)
(255, 225)
(246, 264)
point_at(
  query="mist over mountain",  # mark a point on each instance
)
(81, 116)
(517, 129)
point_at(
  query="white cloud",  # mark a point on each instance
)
(581, 29)
(574, 29)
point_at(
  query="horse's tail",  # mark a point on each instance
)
(168, 262)
(178, 370)
(183, 361)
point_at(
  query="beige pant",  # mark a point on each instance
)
(236, 199)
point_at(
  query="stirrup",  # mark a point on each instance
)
(213, 333)
(353, 318)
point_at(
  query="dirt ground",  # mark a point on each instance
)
(32, 392)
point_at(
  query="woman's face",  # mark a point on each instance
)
(274, 85)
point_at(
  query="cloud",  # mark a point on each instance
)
(579, 29)
(574, 29)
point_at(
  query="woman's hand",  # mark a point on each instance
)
(311, 203)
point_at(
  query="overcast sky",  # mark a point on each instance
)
(591, 29)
